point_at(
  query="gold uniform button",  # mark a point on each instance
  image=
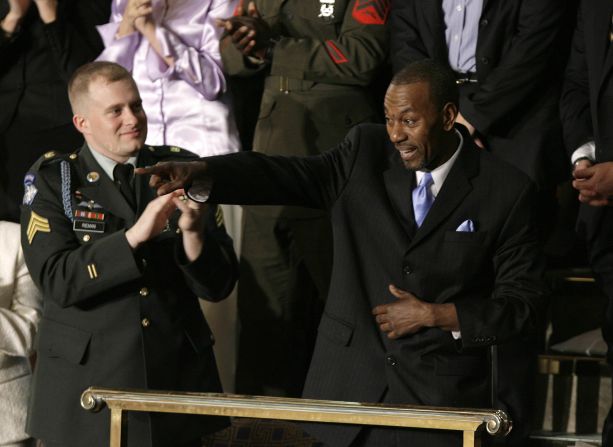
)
(145, 322)
(144, 291)
(73, 156)
(86, 237)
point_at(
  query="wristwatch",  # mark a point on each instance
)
(200, 190)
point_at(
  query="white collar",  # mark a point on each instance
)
(440, 173)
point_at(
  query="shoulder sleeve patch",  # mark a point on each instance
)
(29, 189)
(371, 12)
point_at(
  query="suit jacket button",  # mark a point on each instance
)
(407, 269)
(484, 60)
(145, 322)
(484, 22)
(391, 360)
(144, 291)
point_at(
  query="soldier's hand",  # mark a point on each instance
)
(192, 213)
(153, 220)
(250, 34)
(405, 316)
(191, 223)
(170, 176)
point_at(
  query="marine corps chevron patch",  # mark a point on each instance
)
(37, 223)
(371, 12)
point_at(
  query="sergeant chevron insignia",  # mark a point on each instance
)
(37, 223)
(371, 12)
(219, 217)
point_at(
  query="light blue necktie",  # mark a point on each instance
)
(422, 198)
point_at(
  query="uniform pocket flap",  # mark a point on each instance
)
(461, 366)
(58, 340)
(335, 329)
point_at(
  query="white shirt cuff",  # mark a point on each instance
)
(456, 335)
(586, 150)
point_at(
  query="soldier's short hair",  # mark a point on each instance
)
(443, 87)
(79, 82)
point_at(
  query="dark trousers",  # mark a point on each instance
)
(284, 276)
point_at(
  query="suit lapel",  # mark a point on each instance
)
(399, 182)
(102, 191)
(457, 185)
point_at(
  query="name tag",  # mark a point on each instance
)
(86, 225)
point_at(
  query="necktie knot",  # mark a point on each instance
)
(423, 198)
(122, 174)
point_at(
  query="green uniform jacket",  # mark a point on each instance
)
(316, 89)
(114, 317)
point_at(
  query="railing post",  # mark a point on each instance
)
(470, 440)
(116, 414)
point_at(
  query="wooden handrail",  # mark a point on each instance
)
(470, 421)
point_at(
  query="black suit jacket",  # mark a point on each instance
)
(587, 99)
(113, 317)
(587, 112)
(493, 275)
(519, 59)
(38, 60)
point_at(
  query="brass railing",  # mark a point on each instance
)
(470, 421)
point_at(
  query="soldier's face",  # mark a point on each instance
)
(416, 126)
(113, 121)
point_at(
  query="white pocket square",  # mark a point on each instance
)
(467, 226)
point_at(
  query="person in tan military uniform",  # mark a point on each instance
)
(120, 271)
(319, 58)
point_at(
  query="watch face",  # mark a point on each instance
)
(200, 190)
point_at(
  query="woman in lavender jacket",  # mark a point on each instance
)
(172, 49)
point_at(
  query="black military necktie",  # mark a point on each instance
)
(123, 179)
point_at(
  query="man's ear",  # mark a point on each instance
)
(450, 113)
(81, 123)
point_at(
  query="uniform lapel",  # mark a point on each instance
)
(144, 193)
(103, 191)
(399, 182)
(457, 185)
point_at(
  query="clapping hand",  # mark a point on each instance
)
(250, 34)
(135, 16)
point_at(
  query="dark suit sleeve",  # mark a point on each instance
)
(212, 276)
(251, 178)
(575, 100)
(58, 264)
(406, 43)
(72, 38)
(519, 296)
